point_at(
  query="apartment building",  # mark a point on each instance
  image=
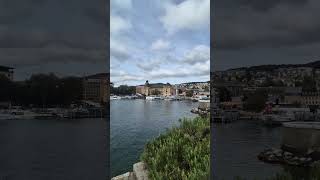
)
(96, 88)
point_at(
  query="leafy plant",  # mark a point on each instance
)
(181, 153)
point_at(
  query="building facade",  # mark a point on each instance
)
(96, 88)
(7, 72)
(156, 89)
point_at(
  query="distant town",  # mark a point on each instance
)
(293, 84)
(183, 90)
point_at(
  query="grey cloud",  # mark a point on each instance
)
(13, 11)
(283, 25)
(38, 32)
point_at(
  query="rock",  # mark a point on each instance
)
(302, 159)
(295, 158)
(126, 176)
(288, 154)
(315, 164)
(140, 171)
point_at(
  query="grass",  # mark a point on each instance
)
(181, 152)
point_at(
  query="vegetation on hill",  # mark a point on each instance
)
(123, 90)
(271, 67)
(181, 153)
(41, 90)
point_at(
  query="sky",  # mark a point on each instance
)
(43, 36)
(160, 41)
(255, 32)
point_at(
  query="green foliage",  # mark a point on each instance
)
(156, 92)
(224, 94)
(42, 90)
(255, 102)
(189, 93)
(309, 84)
(5, 88)
(123, 90)
(181, 153)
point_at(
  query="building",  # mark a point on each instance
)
(156, 89)
(311, 98)
(7, 72)
(96, 88)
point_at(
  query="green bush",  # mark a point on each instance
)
(181, 153)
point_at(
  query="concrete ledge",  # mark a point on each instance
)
(126, 176)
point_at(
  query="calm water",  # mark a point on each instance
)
(134, 122)
(51, 150)
(237, 146)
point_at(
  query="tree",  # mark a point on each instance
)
(224, 94)
(189, 93)
(156, 92)
(268, 82)
(123, 90)
(256, 101)
(5, 88)
(309, 84)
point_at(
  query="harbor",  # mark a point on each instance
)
(79, 111)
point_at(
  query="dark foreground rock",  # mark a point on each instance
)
(283, 157)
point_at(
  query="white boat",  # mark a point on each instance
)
(278, 116)
(5, 116)
(115, 97)
(153, 98)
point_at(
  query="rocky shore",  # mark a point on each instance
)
(200, 112)
(280, 156)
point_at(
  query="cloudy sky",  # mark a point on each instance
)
(160, 41)
(64, 37)
(253, 32)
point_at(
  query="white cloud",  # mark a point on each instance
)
(122, 77)
(182, 72)
(118, 25)
(160, 45)
(121, 4)
(190, 14)
(118, 50)
(148, 66)
(199, 53)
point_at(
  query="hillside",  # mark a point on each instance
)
(271, 67)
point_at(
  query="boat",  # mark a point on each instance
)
(5, 116)
(278, 116)
(171, 98)
(153, 98)
(115, 97)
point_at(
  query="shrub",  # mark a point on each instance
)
(181, 153)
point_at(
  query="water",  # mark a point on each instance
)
(134, 122)
(52, 149)
(236, 148)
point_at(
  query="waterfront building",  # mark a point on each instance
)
(311, 98)
(156, 89)
(7, 72)
(95, 88)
